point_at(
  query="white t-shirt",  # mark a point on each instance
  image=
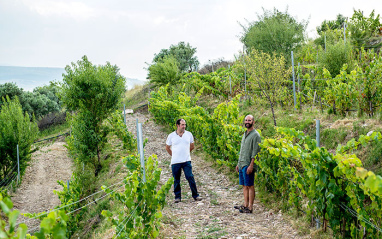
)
(180, 146)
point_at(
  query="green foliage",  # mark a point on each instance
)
(307, 54)
(216, 83)
(38, 104)
(41, 101)
(370, 85)
(274, 32)
(342, 91)
(331, 137)
(143, 201)
(293, 167)
(120, 129)
(184, 55)
(363, 29)
(335, 57)
(268, 74)
(219, 133)
(10, 89)
(16, 128)
(52, 226)
(94, 92)
(330, 37)
(97, 89)
(331, 24)
(87, 139)
(164, 71)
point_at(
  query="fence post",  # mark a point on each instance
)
(294, 84)
(18, 165)
(141, 153)
(68, 185)
(230, 86)
(137, 136)
(124, 113)
(325, 42)
(298, 77)
(344, 32)
(148, 99)
(318, 132)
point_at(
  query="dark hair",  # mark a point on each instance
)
(178, 121)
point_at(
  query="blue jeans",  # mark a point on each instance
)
(177, 172)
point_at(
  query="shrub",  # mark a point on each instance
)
(16, 128)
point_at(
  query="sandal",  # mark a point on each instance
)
(239, 207)
(245, 210)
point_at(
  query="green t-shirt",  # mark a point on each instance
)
(249, 148)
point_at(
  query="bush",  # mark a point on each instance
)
(16, 128)
(43, 100)
(52, 119)
(335, 57)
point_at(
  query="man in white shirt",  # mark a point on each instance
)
(179, 145)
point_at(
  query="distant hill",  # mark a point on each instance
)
(30, 77)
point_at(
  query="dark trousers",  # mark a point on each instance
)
(177, 172)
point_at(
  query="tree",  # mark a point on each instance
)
(183, 53)
(94, 93)
(274, 32)
(363, 30)
(331, 24)
(268, 73)
(11, 90)
(165, 71)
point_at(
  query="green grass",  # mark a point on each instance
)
(54, 130)
(136, 96)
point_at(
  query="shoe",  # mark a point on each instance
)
(198, 198)
(239, 207)
(177, 200)
(245, 210)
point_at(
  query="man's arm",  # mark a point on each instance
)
(168, 149)
(192, 146)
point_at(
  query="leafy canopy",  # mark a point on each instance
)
(165, 71)
(364, 29)
(94, 92)
(274, 32)
(97, 89)
(331, 24)
(183, 53)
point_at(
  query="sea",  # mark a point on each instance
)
(29, 78)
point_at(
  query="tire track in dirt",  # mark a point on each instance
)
(35, 194)
(214, 217)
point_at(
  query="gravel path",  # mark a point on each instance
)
(214, 217)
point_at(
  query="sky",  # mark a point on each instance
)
(127, 33)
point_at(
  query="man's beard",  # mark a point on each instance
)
(248, 125)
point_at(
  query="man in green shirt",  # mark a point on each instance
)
(245, 166)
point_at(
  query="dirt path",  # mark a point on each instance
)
(214, 217)
(49, 164)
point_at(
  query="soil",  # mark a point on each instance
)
(214, 216)
(35, 194)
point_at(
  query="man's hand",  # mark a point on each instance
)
(250, 169)
(237, 168)
(168, 149)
